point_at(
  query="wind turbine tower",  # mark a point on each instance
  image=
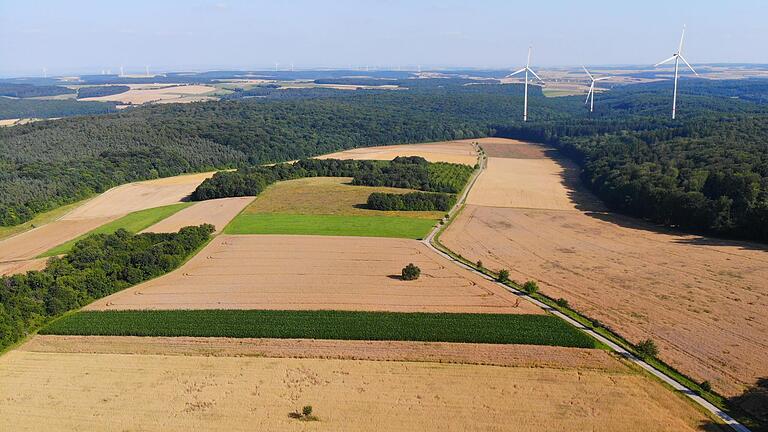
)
(677, 56)
(527, 69)
(591, 93)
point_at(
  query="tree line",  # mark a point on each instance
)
(411, 201)
(401, 172)
(97, 266)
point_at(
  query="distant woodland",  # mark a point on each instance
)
(706, 172)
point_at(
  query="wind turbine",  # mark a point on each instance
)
(591, 93)
(526, 69)
(677, 56)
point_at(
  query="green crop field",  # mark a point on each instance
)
(432, 327)
(133, 222)
(340, 225)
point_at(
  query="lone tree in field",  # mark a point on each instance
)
(411, 272)
(647, 348)
(503, 276)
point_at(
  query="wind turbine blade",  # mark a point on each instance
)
(689, 65)
(590, 75)
(680, 48)
(665, 61)
(603, 78)
(589, 93)
(528, 63)
(534, 74)
(515, 73)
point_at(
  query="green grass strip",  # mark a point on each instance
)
(336, 225)
(133, 222)
(349, 325)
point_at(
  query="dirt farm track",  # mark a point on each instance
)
(702, 300)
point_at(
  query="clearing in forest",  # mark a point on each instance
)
(328, 206)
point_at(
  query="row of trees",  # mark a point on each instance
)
(412, 201)
(401, 172)
(97, 266)
(88, 92)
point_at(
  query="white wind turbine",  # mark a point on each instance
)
(677, 57)
(591, 93)
(526, 69)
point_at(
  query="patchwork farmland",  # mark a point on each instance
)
(299, 300)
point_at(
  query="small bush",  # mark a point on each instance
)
(503, 276)
(706, 386)
(304, 415)
(479, 264)
(647, 348)
(531, 287)
(411, 272)
(562, 302)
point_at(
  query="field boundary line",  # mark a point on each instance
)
(431, 240)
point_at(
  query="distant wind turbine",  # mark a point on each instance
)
(677, 56)
(591, 93)
(45, 72)
(121, 70)
(526, 69)
(146, 68)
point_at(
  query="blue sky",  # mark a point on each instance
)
(88, 36)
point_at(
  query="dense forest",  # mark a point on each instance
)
(88, 92)
(705, 172)
(29, 91)
(97, 266)
(401, 172)
(412, 201)
(41, 108)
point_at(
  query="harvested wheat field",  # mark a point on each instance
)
(217, 212)
(310, 196)
(22, 266)
(462, 152)
(443, 352)
(158, 93)
(106, 207)
(108, 391)
(317, 272)
(702, 300)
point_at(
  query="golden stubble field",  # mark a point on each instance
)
(460, 151)
(98, 211)
(317, 273)
(702, 300)
(159, 93)
(113, 388)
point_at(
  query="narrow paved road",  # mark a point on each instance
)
(429, 241)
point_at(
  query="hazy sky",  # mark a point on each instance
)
(88, 36)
